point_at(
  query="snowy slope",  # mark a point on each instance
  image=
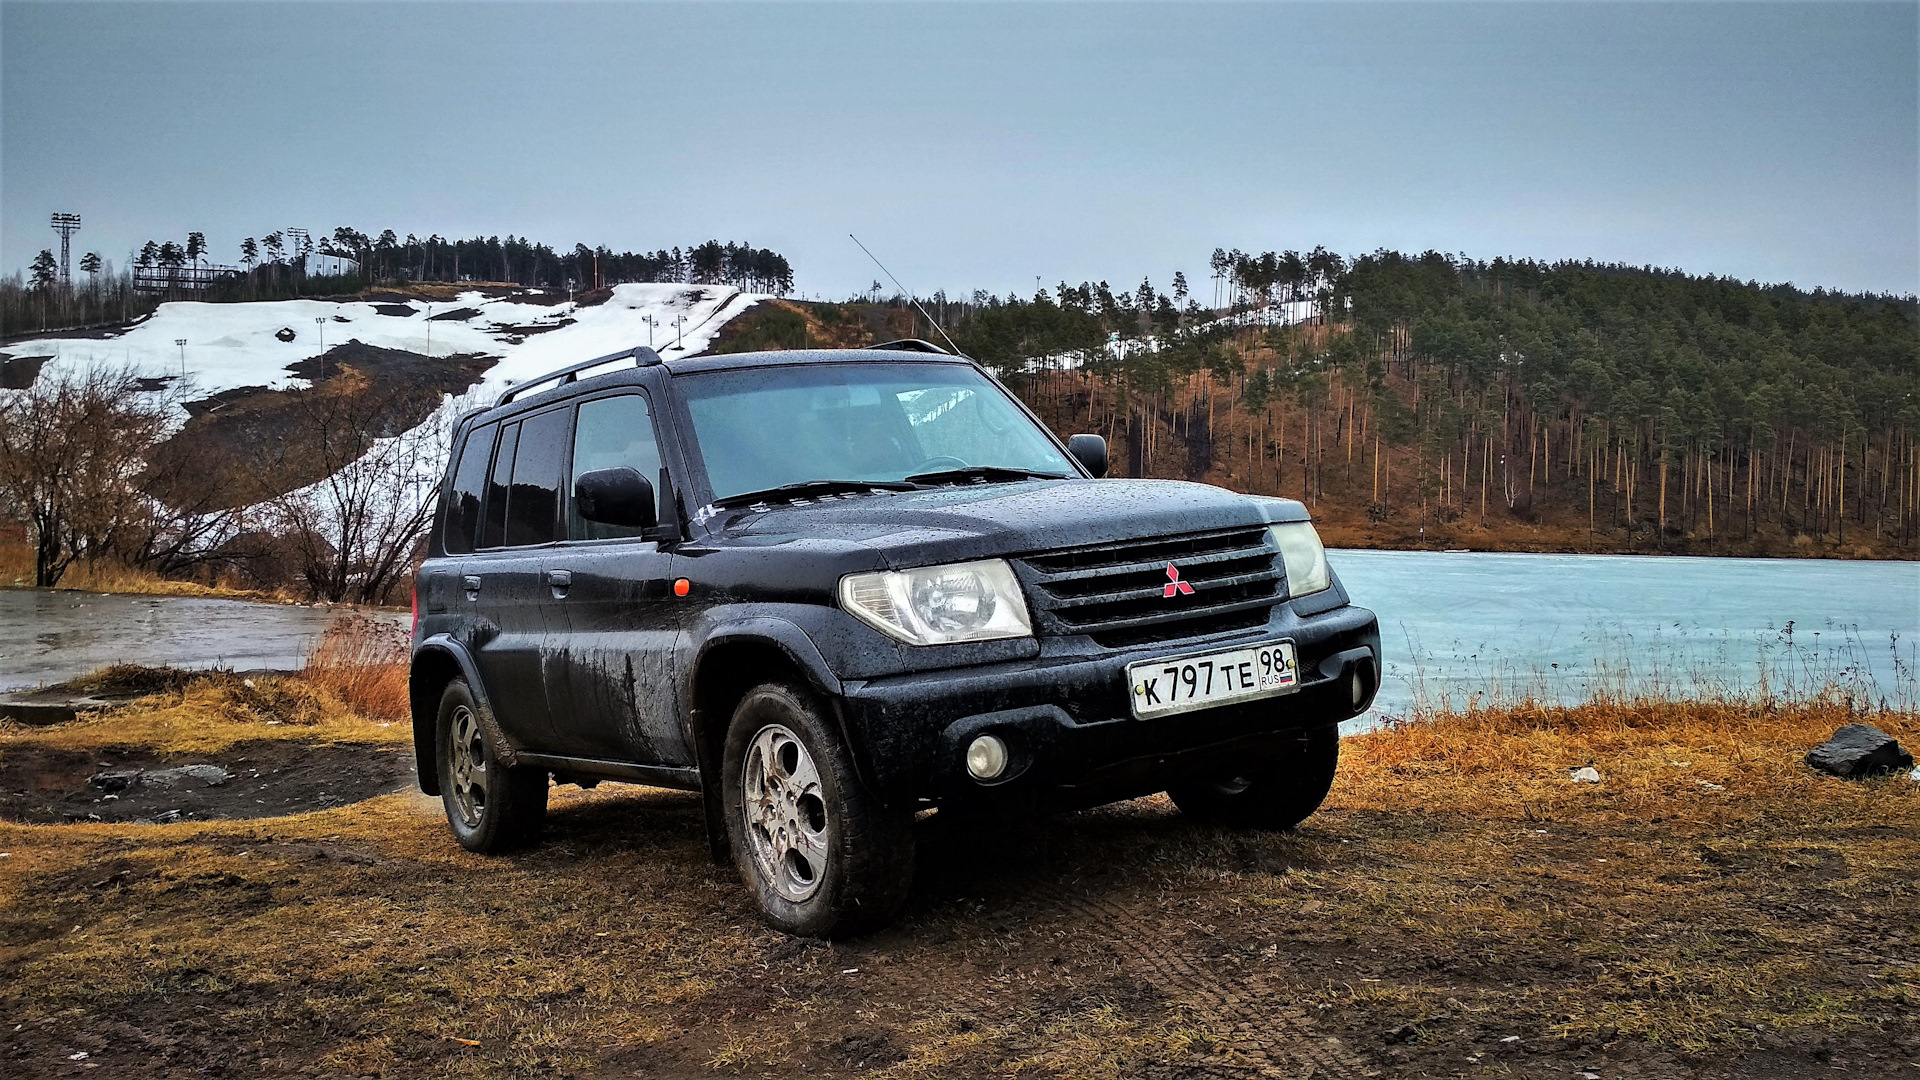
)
(234, 345)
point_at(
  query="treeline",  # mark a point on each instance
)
(519, 261)
(277, 266)
(1653, 409)
(97, 297)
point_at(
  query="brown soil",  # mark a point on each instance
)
(18, 372)
(264, 779)
(1712, 910)
(1121, 942)
(439, 292)
(253, 443)
(799, 324)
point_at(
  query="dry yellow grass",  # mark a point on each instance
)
(363, 662)
(110, 576)
(207, 713)
(1657, 759)
(1458, 882)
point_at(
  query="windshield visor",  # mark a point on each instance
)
(762, 428)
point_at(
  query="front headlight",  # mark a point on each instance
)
(940, 605)
(1303, 556)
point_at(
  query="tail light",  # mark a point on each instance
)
(415, 594)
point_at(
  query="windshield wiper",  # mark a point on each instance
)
(807, 489)
(992, 474)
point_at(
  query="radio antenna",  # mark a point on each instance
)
(909, 295)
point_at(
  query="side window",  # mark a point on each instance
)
(469, 485)
(533, 508)
(611, 432)
(494, 532)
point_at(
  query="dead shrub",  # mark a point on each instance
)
(362, 660)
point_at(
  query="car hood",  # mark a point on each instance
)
(915, 528)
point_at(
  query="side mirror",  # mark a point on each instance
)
(616, 497)
(1090, 451)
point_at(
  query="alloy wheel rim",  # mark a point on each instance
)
(469, 751)
(786, 813)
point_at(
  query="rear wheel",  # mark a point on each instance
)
(822, 855)
(491, 807)
(1278, 795)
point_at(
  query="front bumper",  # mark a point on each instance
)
(1067, 719)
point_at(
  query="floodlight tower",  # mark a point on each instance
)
(297, 241)
(66, 225)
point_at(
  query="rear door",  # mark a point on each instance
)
(443, 607)
(516, 624)
(616, 698)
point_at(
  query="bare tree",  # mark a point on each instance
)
(185, 511)
(355, 531)
(72, 450)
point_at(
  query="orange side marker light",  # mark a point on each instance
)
(681, 587)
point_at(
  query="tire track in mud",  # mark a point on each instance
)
(1257, 1032)
(1256, 1029)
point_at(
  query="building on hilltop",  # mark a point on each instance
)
(319, 265)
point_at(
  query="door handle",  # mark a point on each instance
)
(560, 581)
(472, 585)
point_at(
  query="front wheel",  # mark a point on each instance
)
(1276, 796)
(490, 806)
(821, 854)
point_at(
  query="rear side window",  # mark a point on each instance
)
(611, 433)
(469, 485)
(494, 532)
(533, 506)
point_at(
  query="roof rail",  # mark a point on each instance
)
(912, 344)
(461, 420)
(641, 356)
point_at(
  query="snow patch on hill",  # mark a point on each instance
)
(370, 509)
(235, 345)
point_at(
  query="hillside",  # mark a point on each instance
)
(403, 358)
(297, 450)
(1440, 402)
(1410, 402)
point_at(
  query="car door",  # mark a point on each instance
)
(616, 698)
(516, 626)
(440, 601)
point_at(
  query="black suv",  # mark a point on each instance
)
(833, 590)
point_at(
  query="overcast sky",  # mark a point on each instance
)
(980, 146)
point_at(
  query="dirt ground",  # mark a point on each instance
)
(1712, 908)
(249, 780)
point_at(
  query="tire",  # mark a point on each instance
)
(1279, 795)
(821, 855)
(490, 807)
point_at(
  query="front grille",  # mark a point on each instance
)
(1116, 593)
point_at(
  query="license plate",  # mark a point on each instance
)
(1178, 684)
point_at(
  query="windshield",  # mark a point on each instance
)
(761, 428)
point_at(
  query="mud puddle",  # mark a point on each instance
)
(247, 780)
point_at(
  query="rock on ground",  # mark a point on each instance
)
(1859, 750)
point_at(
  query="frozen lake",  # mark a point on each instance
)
(1453, 625)
(1555, 626)
(48, 636)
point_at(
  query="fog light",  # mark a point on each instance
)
(986, 757)
(1359, 688)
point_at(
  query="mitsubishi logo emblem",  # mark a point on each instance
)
(1174, 584)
